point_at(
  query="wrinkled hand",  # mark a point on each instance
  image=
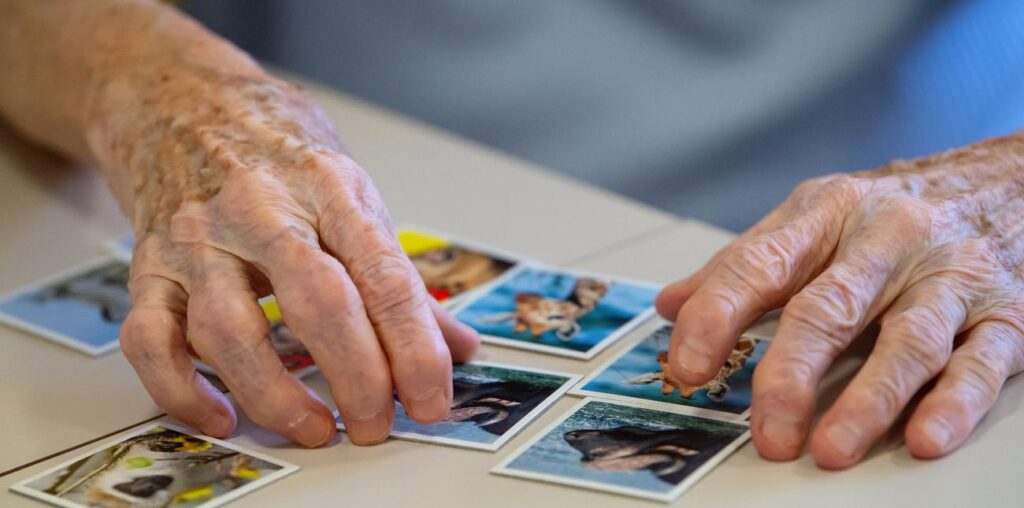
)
(238, 186)
(931, 248)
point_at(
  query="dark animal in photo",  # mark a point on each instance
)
(494, 406)
(670, 454)
(104, 288)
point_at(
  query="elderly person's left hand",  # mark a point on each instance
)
(931, 248)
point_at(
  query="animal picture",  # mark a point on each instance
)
(293, 354)
(105, 288)
(671, 454)
(642, 372)
(716, 389)
(495, 406)
(627, 449)
(82, 309)
(490, 404)
(557, 311)
(161, 467)
(539, 314)
(451, 271)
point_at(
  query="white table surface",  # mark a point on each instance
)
(54, 215)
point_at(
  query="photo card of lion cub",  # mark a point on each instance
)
(641, 372)
(627, 449)
(491, 403)
(157, 465)
(558, 311)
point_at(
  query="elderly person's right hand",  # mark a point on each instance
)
(236, 185)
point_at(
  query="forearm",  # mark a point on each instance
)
(67, 62)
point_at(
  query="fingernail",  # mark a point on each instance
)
(939, 431)
(216, 424)
(694, 360)
(368, 429)
(311, 429)
(845, 438)
(430, 405)
(781, 431)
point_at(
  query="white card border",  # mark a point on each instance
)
(711, 414)
(596, 349)
(537, 412)
(502, 467)
(287, 468)
(51, 335)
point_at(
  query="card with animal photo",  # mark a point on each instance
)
(626, 449)
(452, 268)
(289, 349)
(82, 308)
(557, 311)
(156, 466)
(491, 403)
(641, 372)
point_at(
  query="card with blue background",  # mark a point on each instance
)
(82, 309)
(627, 449)
(642, 372)
(558, 312)
(491, 403)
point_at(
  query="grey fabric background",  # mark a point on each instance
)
(709, 109)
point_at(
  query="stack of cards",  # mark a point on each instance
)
(156, 466)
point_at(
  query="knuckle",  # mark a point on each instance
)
(887, 394)
(347, 191)
(808, 185)
(764, 266)
(973, 263)
(921, 341)
(841, 187)
(979, 382)
(134, 342)
(285, 241)
(830, 309)
(142, 335)
(1003, 351)
(791, 369)
(912, 219)
(390, 286)
(225, 332)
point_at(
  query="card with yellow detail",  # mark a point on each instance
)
(451, 268)
(289, 349)
(156, 466)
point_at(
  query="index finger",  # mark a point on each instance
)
(759, 275)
